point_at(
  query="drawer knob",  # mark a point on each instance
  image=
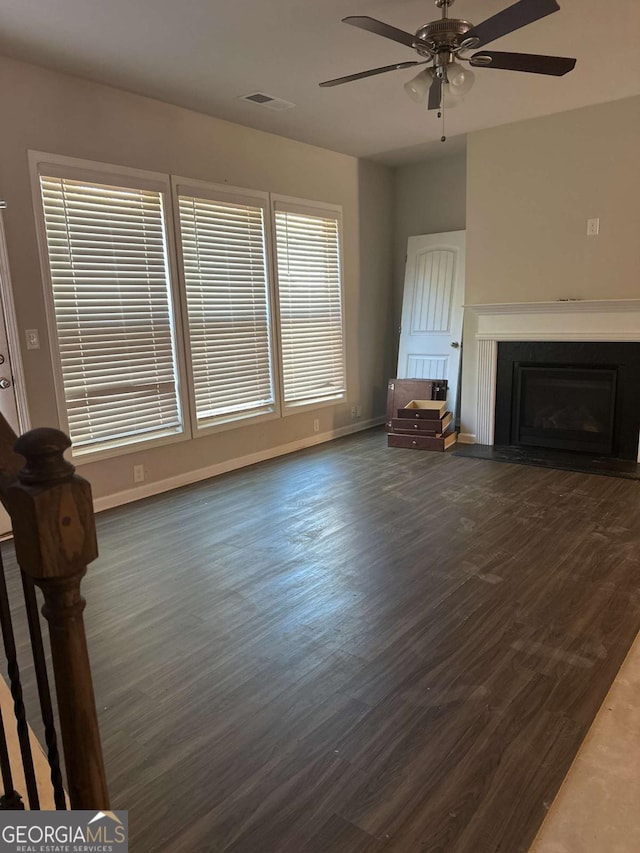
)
(415, 443)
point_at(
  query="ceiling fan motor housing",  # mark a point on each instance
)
(444, 35)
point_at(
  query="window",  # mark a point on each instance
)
(310, 302)
(112, 312)
(160, 302)
(224, 260)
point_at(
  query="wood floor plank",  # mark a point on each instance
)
(356, 649)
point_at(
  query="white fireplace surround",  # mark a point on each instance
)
(573, 320)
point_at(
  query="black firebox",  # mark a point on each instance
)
(575, 396)
(564, 407)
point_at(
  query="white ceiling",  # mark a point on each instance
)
(205, 54)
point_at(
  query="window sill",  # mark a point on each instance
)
(105, 451)
(315, 403)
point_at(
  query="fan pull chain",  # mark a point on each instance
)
(443, 138)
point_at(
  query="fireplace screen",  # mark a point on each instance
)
(564, 407)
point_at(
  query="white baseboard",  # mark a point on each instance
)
(467, 438)
(147, 490)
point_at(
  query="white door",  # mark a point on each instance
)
(8, 406)
(431, 331)
(8, 402)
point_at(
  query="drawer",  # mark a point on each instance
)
(420, 414)
(421, 442)
(422, 427)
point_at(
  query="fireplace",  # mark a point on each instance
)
(574, 396)
(564, 407)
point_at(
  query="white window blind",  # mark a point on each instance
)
(227, 296)
(310, 304)
(111, 297)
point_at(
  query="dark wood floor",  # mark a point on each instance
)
(357, 649)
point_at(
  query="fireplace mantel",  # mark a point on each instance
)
(566, 320)
(571, 320)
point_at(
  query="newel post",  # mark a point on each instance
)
(55, 539)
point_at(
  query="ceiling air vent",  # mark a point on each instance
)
(268, 101)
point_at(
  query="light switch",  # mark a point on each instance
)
(33, 338)
(593, 227)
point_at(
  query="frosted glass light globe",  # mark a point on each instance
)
(418, 88)
(460, 79)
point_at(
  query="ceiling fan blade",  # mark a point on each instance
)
(339, 80)
(364, 22)
(435, 94)
(510, 19)
(532, 63)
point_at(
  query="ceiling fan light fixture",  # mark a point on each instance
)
(448, 100)
(460, 80)
(418, 87)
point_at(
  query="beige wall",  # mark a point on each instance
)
(430, 198)
(56, 113)
(531, 187)
(375, 310)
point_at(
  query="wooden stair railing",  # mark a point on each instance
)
(54, 532)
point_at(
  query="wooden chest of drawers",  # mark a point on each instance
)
(403, 391)
(418, 428)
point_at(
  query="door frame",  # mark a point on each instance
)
(13, 334)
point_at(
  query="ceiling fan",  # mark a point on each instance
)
(444, 43)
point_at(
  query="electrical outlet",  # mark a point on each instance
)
(33, 338)
(358, 411)
(138, 473)
(593, 227)
(316, 424)
(353, 411)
